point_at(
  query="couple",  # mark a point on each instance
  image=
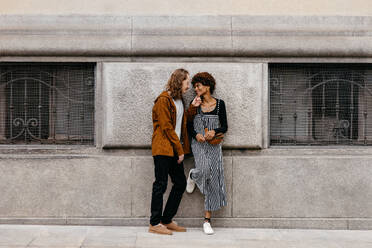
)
(204, 119)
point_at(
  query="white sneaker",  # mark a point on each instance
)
(190, 184)
(207, 228)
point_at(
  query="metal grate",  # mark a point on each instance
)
(320, 104)
(46, 103)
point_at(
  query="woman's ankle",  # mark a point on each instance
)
(207, 219)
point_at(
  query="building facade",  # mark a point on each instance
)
(77, 87)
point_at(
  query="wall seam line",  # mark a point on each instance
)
(231, 35)
(232, 186)
(131, 35)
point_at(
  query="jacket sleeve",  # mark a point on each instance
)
(223, 119)
(190, 129)
(162, 111)
(191, 112)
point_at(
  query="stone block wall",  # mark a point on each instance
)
(110, 183)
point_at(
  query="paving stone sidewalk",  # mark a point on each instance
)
(13, 236)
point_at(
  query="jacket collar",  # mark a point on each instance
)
(164, 94)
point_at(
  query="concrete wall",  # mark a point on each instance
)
(110, 183)
(275, 188)
(191, 7)
(271, 188)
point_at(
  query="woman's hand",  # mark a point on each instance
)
(200, 138)
(197, 101)
(180, 158)
(210, 135)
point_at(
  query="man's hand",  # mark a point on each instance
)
(180, 158)
(197, 101)
(200, 138)
(210, 135)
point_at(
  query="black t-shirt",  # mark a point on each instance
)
(221, 116)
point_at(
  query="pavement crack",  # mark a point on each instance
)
(29, 243)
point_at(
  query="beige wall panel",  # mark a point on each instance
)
(191, 7)
(129, 91)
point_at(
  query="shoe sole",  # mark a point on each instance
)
(173, 230)
(151, 231)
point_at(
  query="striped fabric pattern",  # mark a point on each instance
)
(208, 173)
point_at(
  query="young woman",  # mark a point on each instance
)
(208, 173)
(169, 145)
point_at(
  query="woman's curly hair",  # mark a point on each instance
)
(205, 79)
(174, 85)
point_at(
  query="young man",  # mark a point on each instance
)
(170, 143)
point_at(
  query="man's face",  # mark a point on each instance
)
(186, 84)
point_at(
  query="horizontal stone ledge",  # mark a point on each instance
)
(230, 36)
(287, 223)
(229, 147)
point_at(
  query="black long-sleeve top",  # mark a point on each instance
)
(221, 115)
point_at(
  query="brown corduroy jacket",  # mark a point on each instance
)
(164, 138)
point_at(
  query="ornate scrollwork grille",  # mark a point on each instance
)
(320, 104)
(46, 103)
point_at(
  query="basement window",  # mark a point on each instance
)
(46, 103)
(320, 104)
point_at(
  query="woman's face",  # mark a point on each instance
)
(201, 89)
(186, 84)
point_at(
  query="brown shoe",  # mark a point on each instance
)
(159, 229)
(175, 227)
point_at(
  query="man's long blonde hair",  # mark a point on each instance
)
(174, 85)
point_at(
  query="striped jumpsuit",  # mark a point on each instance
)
(208, 173)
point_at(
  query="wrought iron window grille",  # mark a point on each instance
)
(320, 104)
(46, 103)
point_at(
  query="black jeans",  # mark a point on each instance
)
(165, 165)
